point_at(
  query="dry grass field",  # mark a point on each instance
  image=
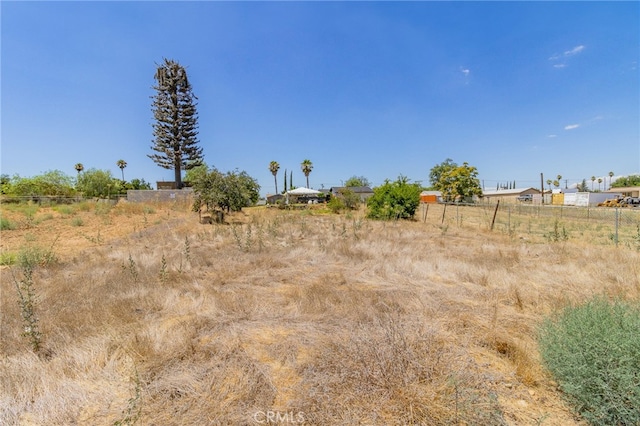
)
(288, 317)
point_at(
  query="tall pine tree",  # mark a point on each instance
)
(176, 127)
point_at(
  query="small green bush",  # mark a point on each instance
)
(593, 351)
(65, 209)
(32, 256)
(336, 205)
(394, 200)
(6, 224)
(7, 258)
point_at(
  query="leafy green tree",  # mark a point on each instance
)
(357, 181)
(459, 183)
(79, 167)
(122, 164)
(196, 172)
(394, 200)
(52, 183)
(98, 183)
(176, 126)
(625, 181)
(273, 168)
(307, 167)
(231, 191)
(5, 183)
(440, 169)
(137, 184)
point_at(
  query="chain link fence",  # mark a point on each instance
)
(593, 225)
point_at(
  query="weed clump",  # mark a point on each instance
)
(558, 233)
(593, 351)
(6, 224)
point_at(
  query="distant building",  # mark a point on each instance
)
(364, 192)
(628, 191)
(430, 196)
(511, 195)
(274, 198)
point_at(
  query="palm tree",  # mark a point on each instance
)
(122, 164)
(593, 179)
(79, 167)
(610, 177)
(273, 168)
(549, 182)
(599, 182)
(306, 167)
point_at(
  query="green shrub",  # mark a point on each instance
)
(336, 204)
(32, 256)
(6, 224)
(7, 258)
(593, 351)
(65, 209)
(394, 200)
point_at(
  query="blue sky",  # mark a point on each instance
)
(374, 89)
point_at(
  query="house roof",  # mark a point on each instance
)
(508, 192)
(623, 189)
(356, 189)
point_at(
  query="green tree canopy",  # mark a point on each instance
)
(98, 183)
(231, 191)
(357, 181)
(176, 127)
(631, 180)
(137, 184)
(52, 182)
(438, 170)
(455, 182)
(394, 200)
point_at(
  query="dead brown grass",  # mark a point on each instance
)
(334, 319)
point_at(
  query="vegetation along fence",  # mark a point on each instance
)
(594, 225)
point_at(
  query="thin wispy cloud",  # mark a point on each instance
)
(574, 51)
(552, 136)
(564, 55)
(571, 126)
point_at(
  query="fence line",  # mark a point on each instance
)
(597, 225)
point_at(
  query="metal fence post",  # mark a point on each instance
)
(617, 221)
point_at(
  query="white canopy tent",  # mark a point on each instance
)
(303, 191)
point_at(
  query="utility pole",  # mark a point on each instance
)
(542, 186)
